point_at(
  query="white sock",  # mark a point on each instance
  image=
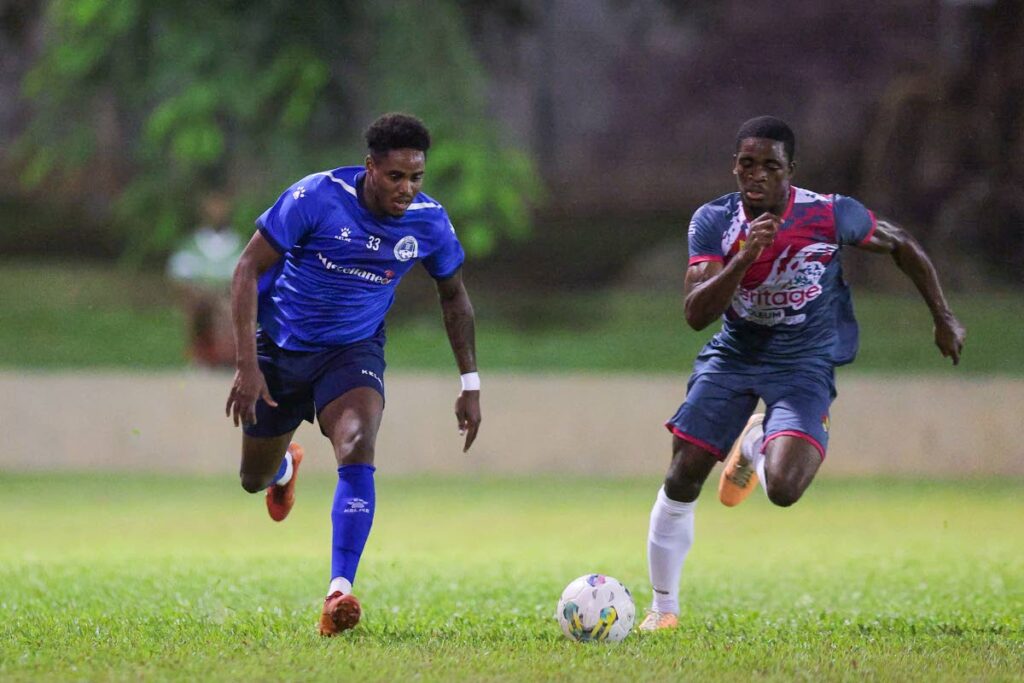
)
(760, 473)
(340, 583)
(668, 542)
(752, 449)
(287, 476)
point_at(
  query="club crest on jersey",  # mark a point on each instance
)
(407, 248)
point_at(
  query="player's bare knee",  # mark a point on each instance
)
(783, 495)
(254, 483)
(690, 467)
(681, 488)
(355, 448)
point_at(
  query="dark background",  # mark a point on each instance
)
(595, 127)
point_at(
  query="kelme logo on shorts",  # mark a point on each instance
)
(407, 248)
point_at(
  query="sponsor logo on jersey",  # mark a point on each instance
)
(345, 235)
(358, 272)
(407, 248)
(792, 283)
(299, 193)
(373, 374)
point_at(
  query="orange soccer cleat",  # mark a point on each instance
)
(658, 621)
(738, 478)
(280, 499)
(341, 612)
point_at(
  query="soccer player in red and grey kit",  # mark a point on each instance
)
(766, 260)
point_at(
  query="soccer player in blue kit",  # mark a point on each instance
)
(766, 259)
(318, 276)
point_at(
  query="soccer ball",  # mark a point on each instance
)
(596, 607)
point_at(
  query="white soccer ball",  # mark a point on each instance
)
(596, 607)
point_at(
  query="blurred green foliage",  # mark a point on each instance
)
(82, 316)
(192, 96)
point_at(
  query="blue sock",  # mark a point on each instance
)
(280, 470)
(352, 516)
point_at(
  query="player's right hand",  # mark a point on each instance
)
(761, 234)
(249, 385)
(467, 412)
(949, 337)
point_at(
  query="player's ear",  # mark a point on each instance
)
(369, 162)
(735, 171)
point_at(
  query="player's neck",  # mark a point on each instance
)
(779, 209)
(366, 198)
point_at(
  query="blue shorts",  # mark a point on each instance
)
(722, 393)
(304, 382)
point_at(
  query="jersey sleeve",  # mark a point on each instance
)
(705, 242)
(854, 223)
(292, 217)
(447, 257)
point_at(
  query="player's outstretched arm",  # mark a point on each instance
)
(459, 323)
(249, 383)
(910, 257)
(710, 287)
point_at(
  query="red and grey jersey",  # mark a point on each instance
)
(793, 304)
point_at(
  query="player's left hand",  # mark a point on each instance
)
(467, 412)
(949, 336)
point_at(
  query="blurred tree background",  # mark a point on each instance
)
(138, 107)
(585, 121)
(573, 138)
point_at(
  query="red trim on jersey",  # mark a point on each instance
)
(789, 207)
(833, 223)
(799, 435)
(874, 224)
(695, 441)
(694, 260)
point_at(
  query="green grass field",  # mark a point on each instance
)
(142, 577)
(60, 317)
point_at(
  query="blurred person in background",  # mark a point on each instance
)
(319, 276)
(766, 259)
(201, 269)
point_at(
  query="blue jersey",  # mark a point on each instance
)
(341, 264)
(793, 305)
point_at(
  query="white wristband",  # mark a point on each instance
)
(471, 381)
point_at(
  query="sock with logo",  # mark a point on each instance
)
(668, 542)
(352, 517)
(284, 472)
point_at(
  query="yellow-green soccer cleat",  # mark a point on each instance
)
(658, 621)
(738, 478)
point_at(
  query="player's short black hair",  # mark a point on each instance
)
(771, 128)
(397, 131)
